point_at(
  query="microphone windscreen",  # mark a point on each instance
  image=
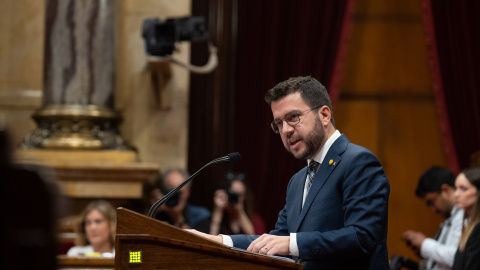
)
(234, 157)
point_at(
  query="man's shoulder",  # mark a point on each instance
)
(198, 210)
(198, 217)
(343, 145)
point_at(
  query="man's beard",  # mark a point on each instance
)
(313, 141)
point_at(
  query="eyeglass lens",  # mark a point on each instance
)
(291, 119)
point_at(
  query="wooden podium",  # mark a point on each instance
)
(145, 243)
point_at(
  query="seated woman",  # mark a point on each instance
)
(96, 231)
(467, 196)
(232, 213)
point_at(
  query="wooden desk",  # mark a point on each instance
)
(68, 262)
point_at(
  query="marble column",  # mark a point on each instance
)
(78, 89)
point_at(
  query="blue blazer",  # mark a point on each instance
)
(343, 223)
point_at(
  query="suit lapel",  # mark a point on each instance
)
(321, 177)
(298, 197)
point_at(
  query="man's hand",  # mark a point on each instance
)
(414, 240)
(271, 245)
(216, 238)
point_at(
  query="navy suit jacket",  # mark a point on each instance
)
(343, 223)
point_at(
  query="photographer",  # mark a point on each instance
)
(176, 211)
(232, 212)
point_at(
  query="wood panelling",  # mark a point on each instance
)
(387, 105)
(360, 122)
(412, 145)
(387, 52)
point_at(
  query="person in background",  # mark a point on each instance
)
(232, 213)
(177, 211)
(467, 196)
(96, 231)
(31, 203)
(436, 187)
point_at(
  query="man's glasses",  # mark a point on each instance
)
(292, 119)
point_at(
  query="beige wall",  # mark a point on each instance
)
(21, 63)
(159, 130)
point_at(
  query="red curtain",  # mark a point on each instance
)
(453, 41)
(278, 40)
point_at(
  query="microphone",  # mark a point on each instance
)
(233, 157)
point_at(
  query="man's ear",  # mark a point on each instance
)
(446, 188)
(325, 114)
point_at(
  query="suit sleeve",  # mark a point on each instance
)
(364, 191)
(281, 227)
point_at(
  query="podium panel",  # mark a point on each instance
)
(145, 243)
(65, 262)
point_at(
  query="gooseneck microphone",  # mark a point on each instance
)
(233, 157)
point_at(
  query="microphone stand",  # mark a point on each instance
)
(231, 157)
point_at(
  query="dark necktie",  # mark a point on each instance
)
(312, 170)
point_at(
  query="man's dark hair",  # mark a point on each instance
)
(312, 91)
(433, 179)
(166, 173)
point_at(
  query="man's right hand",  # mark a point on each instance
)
(414, 240)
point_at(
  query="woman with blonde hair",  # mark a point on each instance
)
(467, 195)
(96, 231)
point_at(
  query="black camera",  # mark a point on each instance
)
(232, 197)
(398, 262)
(172, 201)
(160, 36)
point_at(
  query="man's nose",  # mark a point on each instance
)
(286, 127)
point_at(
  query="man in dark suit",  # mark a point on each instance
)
(335, 216)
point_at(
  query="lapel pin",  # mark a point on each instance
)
(331, 162)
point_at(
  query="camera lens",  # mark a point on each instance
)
(173, 201)
(232, 197)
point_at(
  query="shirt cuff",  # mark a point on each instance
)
(427, 245)
(227, 240)
(293, 245)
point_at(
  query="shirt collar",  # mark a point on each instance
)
(454, 210)
(323, 152)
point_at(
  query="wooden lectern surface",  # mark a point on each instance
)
(68, 262)
(145, 243)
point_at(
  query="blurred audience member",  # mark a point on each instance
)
(436, 187)
(27, 230)
(177, 211)
(467, 197)
(96, 231)
(232, 213)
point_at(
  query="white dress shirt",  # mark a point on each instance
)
(87, 251)
(439, 254)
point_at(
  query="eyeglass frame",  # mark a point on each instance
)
(278, 131)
